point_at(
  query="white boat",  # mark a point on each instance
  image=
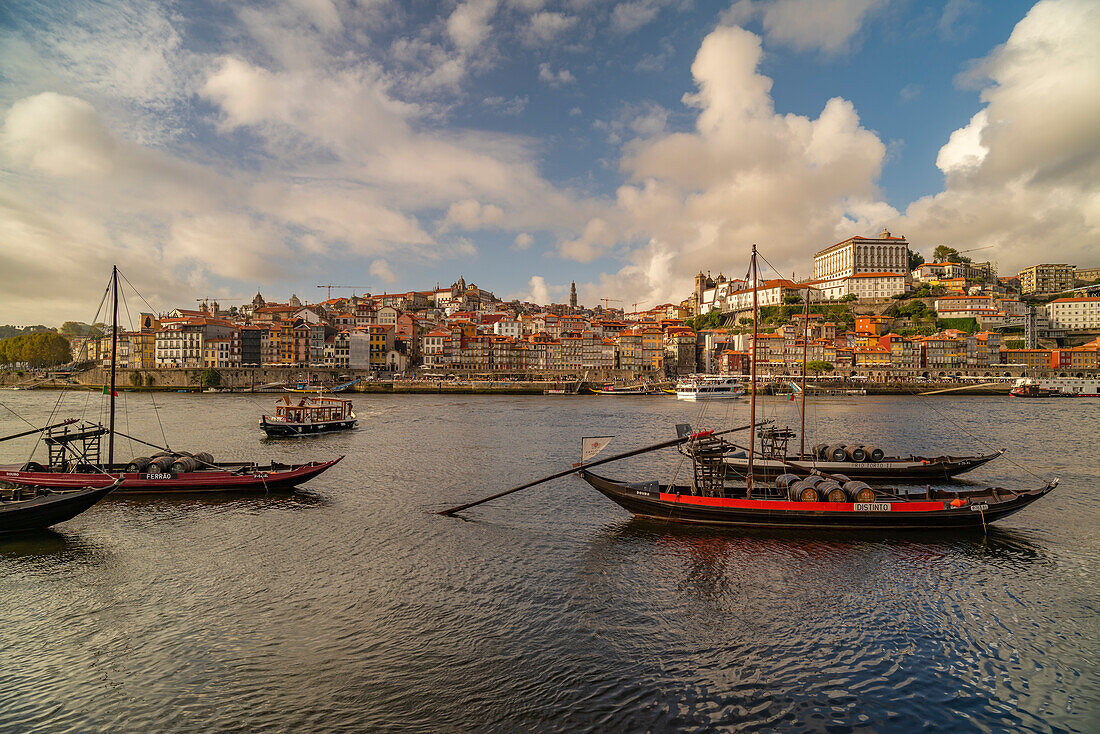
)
(1072, 387)
(709, 387)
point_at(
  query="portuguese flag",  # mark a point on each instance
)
(107, 391)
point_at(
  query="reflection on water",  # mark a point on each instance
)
(349, 606)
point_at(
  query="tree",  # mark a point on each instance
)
(41, 349)
(945, 254)
(817, 366)
(210, 377)
(915, 260)
(848, 298)
(792, 299)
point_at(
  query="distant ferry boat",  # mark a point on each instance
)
(309, 415)
(1056, 387)
(709, 387)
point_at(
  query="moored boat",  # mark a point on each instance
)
(856, 460)
(709, 387)
(820, 500)
(23, 510)
(1055, 387)
(309, 416)
(734, 507)
(74, 456)
(156, 479)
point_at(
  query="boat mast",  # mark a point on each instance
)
(114, 364)
(805, 349)
(752, 376)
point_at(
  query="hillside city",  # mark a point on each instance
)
(875, 309)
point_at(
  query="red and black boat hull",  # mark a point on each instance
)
(912, 470)
(221, 478)
(648, 499)
(48, 508)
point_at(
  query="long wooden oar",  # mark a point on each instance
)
(38, 430)
(578, 467)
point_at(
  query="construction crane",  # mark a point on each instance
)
(610, 300)
(330, 286)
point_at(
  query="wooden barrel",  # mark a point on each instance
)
(859, 491)
(138, 464)
(814, 479)
(831, 491)
(183, 465)
(856, 453)
(160, 465)
(784, 481)
(841, 478)
(836, 452)
(205, 459)
(818, 450)
(802, 492)
(874, 453)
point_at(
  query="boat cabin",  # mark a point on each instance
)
(312, 409)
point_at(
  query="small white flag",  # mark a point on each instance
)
(592, 445)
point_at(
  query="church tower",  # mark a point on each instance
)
(573, 294)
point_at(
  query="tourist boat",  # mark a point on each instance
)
(36, 509)
(309, 416)
(624, 390)
(821, 500)
(74, 458)
(709, 387)
(1055, 387)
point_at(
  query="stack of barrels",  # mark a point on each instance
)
(816, 488)
(855, 452)
(170, 462)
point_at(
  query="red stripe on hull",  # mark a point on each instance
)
(801, 506)
(200, 481)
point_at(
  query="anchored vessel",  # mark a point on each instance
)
(309, 416)
(35, 509)
(74, 458)
(820, 500)
(856, 460)
(709, 387)
(1056, 387)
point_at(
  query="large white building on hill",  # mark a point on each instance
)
(858, 255)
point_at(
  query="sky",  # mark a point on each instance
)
(214, 149)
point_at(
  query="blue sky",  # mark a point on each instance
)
(210, 148)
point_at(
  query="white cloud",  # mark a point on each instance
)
(468, 26)
(546, 26)
(470, 214)
(1024, 174)
(555, 78)
(965, 149)
(523, 241)
(746, 174)
(381, 269)
(57, 135)
(807, 25)
(539, 292)
(630, 16)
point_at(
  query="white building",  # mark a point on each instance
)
(509, 327)
(885, 253)
(769, 293)
(1074, 314)
(861, 285)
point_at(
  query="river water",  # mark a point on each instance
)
(349, 606)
